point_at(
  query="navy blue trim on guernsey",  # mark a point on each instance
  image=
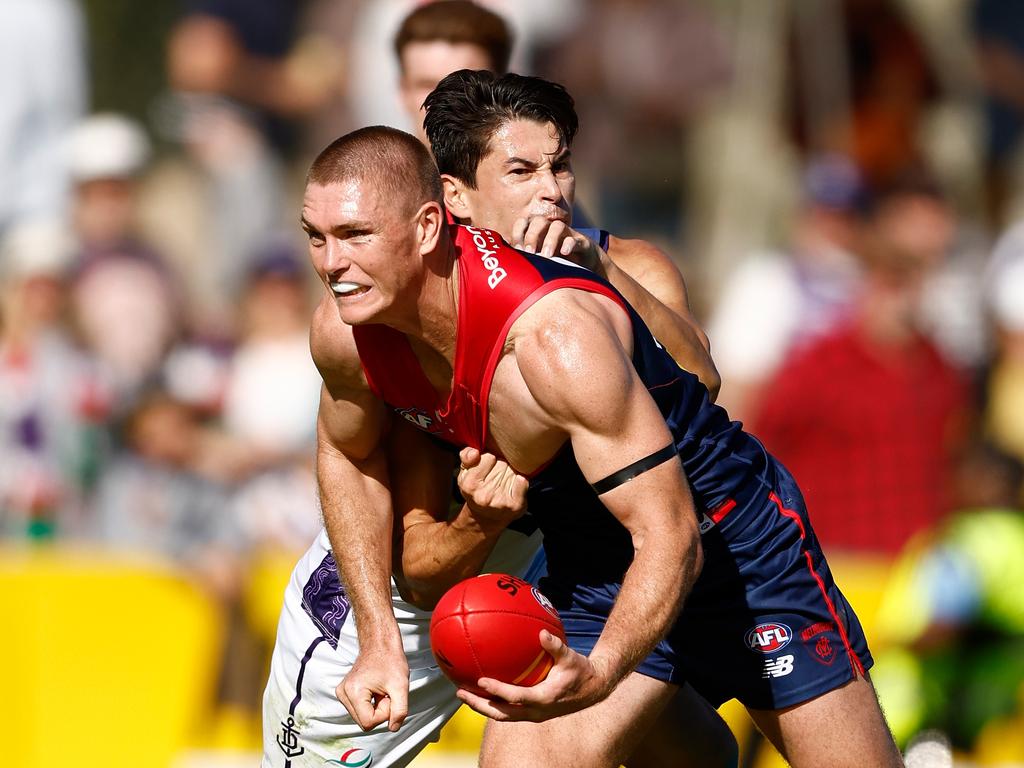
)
(638, 467)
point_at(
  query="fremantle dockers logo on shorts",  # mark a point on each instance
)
(768, 637)
(288, 740)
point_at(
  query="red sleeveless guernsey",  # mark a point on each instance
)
(496, 285)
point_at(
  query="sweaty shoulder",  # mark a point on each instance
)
(569, 347)
(652, 268)
(333, 349)
(558, 325)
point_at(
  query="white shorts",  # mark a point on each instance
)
(304, 724)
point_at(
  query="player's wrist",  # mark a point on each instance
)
(605, 674)
(479, 522)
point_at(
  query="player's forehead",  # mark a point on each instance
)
(523, 139)
(328, 205)
(426, 62)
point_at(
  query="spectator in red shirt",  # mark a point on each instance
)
(868, 417)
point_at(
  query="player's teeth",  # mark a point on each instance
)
(344, 288)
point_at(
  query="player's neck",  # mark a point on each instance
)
(436, 316)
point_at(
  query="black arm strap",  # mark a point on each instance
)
(638, 467)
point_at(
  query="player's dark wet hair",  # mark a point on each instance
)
(468, 107)
(458, 21)
(395, 161)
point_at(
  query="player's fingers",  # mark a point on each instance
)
(518, 232)
(363, 709)
(569, 244)
(557, 239)
(552, 241)
(507, 692)
(536, 229)
(520, 487)
(469, 457)
(493, 709)
(398, 708)
(485, 467)
(553, 644)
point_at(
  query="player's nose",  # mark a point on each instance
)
(549, 187)
(335, 257)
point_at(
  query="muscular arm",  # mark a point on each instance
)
(651, 283)
(352, 480)
(645, 276)
(575, 362)
(435, 550)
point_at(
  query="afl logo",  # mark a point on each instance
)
(544, 602)
(769, 637)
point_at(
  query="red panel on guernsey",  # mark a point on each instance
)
(496, 285)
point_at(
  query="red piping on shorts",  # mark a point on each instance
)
(792, 515)
(718, 514)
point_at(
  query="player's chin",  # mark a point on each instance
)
(358, 309)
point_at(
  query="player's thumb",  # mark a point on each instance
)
(553, 645)
(469, 457)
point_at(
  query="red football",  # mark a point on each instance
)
(489, 626)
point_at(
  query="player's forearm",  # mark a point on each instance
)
(664, 569)
(357, 515)
(438, 555)
(687, 344)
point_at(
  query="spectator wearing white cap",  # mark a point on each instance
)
(107, 155)
(119, 276)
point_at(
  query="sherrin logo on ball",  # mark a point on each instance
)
(489, 626)
(768, 637)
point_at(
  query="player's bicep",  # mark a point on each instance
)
(578, 369)
(350, 422)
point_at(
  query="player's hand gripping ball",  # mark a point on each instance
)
(489, 626)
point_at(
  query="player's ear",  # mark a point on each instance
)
(455, 198)
(429, 220)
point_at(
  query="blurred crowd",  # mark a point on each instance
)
(841, 183)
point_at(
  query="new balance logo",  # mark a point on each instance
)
(779, 667)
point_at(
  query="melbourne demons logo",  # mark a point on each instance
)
(487, 246)
(768, 637)
(817, 637)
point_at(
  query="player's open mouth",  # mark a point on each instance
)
(342, 288)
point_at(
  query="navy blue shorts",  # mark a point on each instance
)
(765, 622)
